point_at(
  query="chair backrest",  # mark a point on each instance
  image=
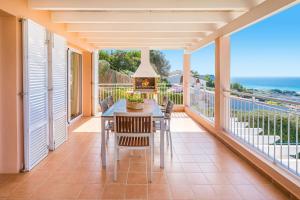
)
(165, 101)
(110, 101)
(169, 107)
(104, 105)
(133, 123)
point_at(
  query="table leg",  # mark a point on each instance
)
(103, 149)
(162, 143)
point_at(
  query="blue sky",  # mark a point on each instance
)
(269, 48)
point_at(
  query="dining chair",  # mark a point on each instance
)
(167, 122)
(164, 103)
(168, 115)
(133, 131)
(110, 101)
(109, 124)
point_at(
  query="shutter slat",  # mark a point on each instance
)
(59, 91)
(36, 93)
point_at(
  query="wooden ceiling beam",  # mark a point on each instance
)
(143, 17)
(145, 35)
(120, 5)
(132, 27)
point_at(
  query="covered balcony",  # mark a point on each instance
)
(227, 144)
(202, 167)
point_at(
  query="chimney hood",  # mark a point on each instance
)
(145, 69)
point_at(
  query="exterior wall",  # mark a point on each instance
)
(1, 93)
(186, 78)
(11, 77)
(222, 79)
(87, 84)
(19, 8)
(10, 84)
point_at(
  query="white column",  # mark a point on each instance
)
(95, 78)
(222, 81)
(186, 77)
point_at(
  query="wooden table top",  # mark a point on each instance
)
(150, 106)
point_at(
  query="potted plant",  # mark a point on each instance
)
(135, 101)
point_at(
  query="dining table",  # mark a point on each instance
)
(149, 106)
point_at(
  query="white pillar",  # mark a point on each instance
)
(222, 81)
(95, 78)
(186, 77)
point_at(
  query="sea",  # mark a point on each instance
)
(268, 83)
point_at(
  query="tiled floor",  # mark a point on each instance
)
(201, 168)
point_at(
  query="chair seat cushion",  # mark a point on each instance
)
(133, 141)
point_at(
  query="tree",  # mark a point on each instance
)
(161, 64)
(128, 61)
(125, 60)
(195, 74)
(104, 55)
(238, 87)
(209, 81)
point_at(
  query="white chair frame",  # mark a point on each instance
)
(149, 148)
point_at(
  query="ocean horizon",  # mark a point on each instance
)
(268, 83)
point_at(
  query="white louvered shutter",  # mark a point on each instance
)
(58, 91)
(35, 93)
(95, 77)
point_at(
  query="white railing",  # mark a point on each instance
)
(120, 91)
(202, 101)
(267, 125)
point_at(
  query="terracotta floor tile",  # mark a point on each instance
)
(121, 178)
(186, 158)
(174, 167)
(249, 192)
(14, 198)
(24, 190)
(201, 168)
(80, 177)
(257, 179)
(136, 192)
(97, 177)
(177, 178)
(217, 178)
(159, 178)
(191, 167)
(137, 178)
(208, 167)
(197, 179)
(4, 178)
(123, 166)
(114, 191)
(159, 192)
(238, 179)
(203, 192)
(202, 159)
(37, 176)
(91, 191)
(7, 188)
(270, 192)
(226, 192)
(137, 167)
(181, 192)
(56, 191)
(60, 177)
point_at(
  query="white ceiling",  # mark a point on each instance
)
(157, 24)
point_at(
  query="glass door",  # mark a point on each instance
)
(75, 84)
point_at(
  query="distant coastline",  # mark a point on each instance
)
(269, 83)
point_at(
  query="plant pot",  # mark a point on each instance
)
(134, 105)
